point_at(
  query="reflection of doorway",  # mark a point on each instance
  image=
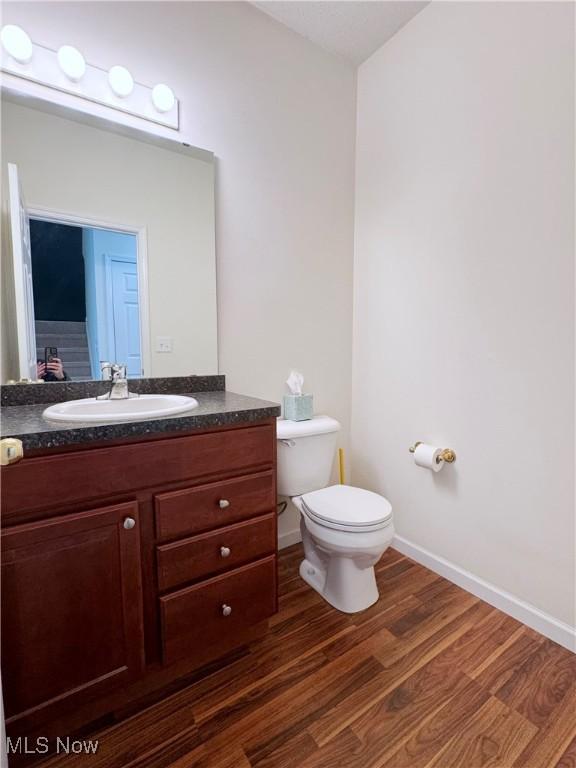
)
(112, 300)
(86, 296)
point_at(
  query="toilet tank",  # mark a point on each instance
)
(305, 454)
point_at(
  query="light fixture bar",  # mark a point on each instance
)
(94, 84)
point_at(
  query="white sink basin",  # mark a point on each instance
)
(133, 409)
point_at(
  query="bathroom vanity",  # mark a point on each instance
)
(132, 553)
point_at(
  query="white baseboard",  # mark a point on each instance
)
(528, 614)
(288, 538)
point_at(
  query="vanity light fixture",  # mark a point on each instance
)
(27, 68)
(71, 63)
(17, 43)
(121, 81)
(163, 97)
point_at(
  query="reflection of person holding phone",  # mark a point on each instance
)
(51, 370)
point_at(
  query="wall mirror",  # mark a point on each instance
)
(108, 252)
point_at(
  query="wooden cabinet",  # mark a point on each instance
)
(97, 611)
(71, 607)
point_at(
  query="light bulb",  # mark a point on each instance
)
(121, 81)
(17, 43)
(163, 98)
(71, 62)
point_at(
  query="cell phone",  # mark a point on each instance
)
(49, 354)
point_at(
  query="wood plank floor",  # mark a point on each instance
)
(430, 676)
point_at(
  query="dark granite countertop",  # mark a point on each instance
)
(59, 391)
(215, 409)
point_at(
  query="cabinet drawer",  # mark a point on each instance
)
(197, 616)
(193, 510)
(216, 551)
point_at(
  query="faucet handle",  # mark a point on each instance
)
(118, 371)
(106, 370)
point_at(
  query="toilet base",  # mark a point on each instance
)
(345, 586)
(312, 576)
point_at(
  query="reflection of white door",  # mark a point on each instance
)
(22, 272)
(126, 314)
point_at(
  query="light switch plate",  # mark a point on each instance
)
(163, 344)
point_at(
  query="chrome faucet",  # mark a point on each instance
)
(115, 373)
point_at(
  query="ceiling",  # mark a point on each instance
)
(352, 29)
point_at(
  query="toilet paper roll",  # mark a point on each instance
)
(428, 456)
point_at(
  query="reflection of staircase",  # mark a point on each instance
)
(70, 338)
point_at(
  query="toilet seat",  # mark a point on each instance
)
(345, 508)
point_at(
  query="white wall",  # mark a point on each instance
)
(279, 114)
(464, 289)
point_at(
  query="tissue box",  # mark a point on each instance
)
(298, 407)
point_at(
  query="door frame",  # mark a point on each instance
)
(19, 281)
(74, 220)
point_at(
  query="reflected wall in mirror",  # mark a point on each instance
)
(108, 253)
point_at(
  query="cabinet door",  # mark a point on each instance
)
(71, 608)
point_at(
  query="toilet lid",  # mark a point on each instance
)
(347, 508)
(319, 425)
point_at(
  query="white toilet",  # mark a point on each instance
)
(345, 530)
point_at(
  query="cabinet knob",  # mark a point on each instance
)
(129, 523)
(11, 451)
(225, 551)
(223, 503)
(226, 610)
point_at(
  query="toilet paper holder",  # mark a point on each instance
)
(447, 455)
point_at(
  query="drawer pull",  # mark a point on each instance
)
(225, 551)
(226, 610)
(129, 523)
(223, 503)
